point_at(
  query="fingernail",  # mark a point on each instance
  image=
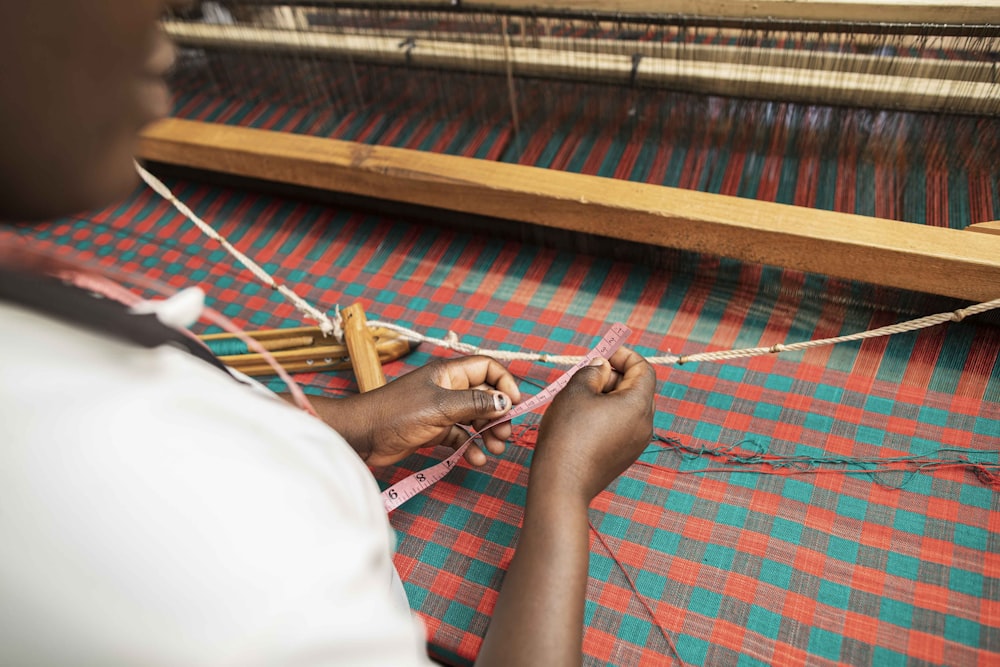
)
(596, 361)
(501, 401)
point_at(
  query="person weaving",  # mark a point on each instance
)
(154, 508)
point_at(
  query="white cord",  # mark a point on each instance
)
(334, 326)
(329, 326)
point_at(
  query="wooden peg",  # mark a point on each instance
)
(361, 347)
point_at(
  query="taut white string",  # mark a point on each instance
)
(333, 325)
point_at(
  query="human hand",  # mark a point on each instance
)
(596, 427)
(423, 409)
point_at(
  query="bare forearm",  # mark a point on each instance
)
(538, 619)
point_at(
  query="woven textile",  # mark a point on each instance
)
(748, 566)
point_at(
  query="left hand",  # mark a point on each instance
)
(423, 408)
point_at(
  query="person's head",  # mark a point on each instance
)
(79, 80)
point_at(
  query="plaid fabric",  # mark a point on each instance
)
(738, 567)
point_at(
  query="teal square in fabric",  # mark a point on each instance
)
(693, 650)
(896, 612)
(251, 288)
(902, 566)
(705, 602)
(455, 516)
(417, 304)
(797, 490)
(961, 630)
(732, 373)
(831, 393)
(976, 496)
(665, 542)
(501, 532)
(708, 432)
(354, 289)
(841, 549)
(779, 383)
(682, 503)
(967, 582)
(749, 661)
(869, 435)
(972, 537)
(820, 423)
(614, 526)
(833, 594)
(986, 427)
(480, 573)
(434, 554)
(788, 531)
(633, 629)
(451, 311)
(910, 522)
(650, 584)
(486, 318)
(523, 326)
(777, 574)
(589, 609)
(852, 507)
(883, 656)
(764, 622)
(824, 644)
(600, 567)
(562, 335)
(415, 595)
(933, 416)
(882, 406)
(629, 488)
(767, 411)
(719, 556)
(720, 401)
(232, 310)
(458, 615)
(732, 515)
(323, 282)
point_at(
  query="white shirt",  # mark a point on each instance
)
(154, 511)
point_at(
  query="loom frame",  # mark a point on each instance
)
(947, 262)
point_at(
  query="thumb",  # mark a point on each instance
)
(593, 377)
(465, 406)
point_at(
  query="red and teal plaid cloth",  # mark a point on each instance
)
(809, 561)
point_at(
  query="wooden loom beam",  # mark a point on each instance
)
(967, 12)
(901, 83)
(884, 252)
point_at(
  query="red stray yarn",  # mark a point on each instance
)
(639, 596)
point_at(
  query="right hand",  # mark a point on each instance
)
(596, 427)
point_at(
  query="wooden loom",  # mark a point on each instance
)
(950, 262)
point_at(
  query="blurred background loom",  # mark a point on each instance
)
(715, 174)
(887, 110)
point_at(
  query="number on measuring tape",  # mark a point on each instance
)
(406, 488)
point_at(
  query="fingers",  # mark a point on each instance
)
(457, 437)
(467, 372)
(636, 373)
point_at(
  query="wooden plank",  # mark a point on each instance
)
(884, 252)
(976, 12)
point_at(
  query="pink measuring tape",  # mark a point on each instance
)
(407, 488)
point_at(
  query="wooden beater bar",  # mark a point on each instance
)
(884, 252)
